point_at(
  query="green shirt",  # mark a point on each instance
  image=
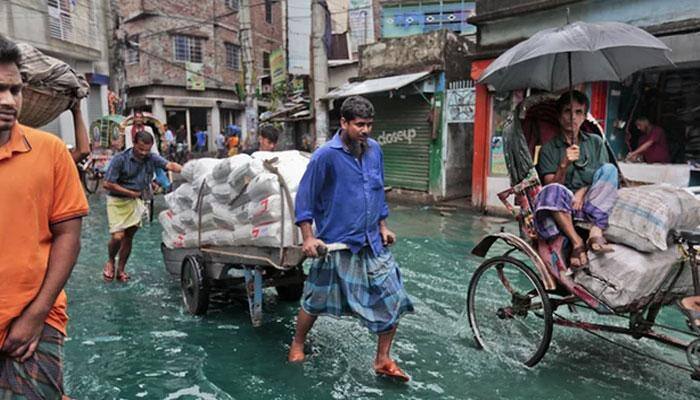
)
(593, 155)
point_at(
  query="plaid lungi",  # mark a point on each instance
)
(40, 377)
(597, 203)
(363, 285)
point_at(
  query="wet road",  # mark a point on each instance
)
(135, 341)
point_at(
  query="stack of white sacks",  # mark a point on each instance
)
(241, 203)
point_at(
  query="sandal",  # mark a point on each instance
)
(693, 316)
(108, 274)
(392, 370)
(123, 277)
(597, 244)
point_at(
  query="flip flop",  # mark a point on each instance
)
(106, 276)
(692, 315)
(597, 244)
(123, 277)
(392, 370)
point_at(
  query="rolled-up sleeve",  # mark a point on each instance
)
(159, 161)
(384, 211)
(309, 188)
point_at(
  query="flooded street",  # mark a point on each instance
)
(136, 341)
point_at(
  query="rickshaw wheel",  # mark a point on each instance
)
(693, 354)
(91, 180)
(509, 311)
(194, 287)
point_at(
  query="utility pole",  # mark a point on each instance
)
(319, 70)
(116, 54)
(245, 38)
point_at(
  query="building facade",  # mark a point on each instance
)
(75, 32)
(183, 60)
(422, 96)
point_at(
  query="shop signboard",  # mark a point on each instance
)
(194, 77)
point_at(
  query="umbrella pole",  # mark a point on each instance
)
(571, 98)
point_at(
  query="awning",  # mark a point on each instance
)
(375, 85)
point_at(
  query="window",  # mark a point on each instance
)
(268, 11)
(266, 63)
(60, 19)
(132, 50)
(187, 48)
(233, 4)
(233, 56)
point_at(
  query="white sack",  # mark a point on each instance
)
(198, 168)
(642, 216)
(627, 277)
(223, 169)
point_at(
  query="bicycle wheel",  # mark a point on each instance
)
(509, 311)
(91, 180)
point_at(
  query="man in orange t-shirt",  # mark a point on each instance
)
(41, 206)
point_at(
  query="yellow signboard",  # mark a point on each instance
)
(195, 79)
(277, 67)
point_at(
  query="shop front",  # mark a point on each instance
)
(408, 124)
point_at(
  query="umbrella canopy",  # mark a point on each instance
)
(603, 51)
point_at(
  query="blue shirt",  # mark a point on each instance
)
(131, 173)
(343, 196)
(201, 138)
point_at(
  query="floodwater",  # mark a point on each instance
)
(135, 341)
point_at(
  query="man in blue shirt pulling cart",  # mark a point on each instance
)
(342, 192)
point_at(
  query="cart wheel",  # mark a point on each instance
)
(509, 311)
(195, 291)
(290, 292)
(151, 210)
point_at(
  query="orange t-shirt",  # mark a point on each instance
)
(39, 186)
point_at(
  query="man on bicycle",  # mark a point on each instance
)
(128, 177)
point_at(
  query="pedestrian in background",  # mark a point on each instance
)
(221, 151)
(268, 136)
(129, 175)
(201, 136)
(169, 141)
(40, 220)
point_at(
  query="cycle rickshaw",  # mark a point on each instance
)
(515, 298)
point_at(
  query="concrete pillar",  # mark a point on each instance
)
(215, 124)
(65, 127)
(104, 103)
(189, 129)
(159, 110)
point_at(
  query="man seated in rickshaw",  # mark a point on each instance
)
(580, 182)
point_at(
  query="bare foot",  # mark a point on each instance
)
(296, 352)
(108, 271)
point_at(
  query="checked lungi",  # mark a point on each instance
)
(597, 205)
(38, 378)
(363, 285)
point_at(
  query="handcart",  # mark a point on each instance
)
(239, 269)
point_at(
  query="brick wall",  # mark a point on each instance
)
(160, 20)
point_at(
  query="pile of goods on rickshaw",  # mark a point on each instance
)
(238, 201)
(639, 229)
(51, 87)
